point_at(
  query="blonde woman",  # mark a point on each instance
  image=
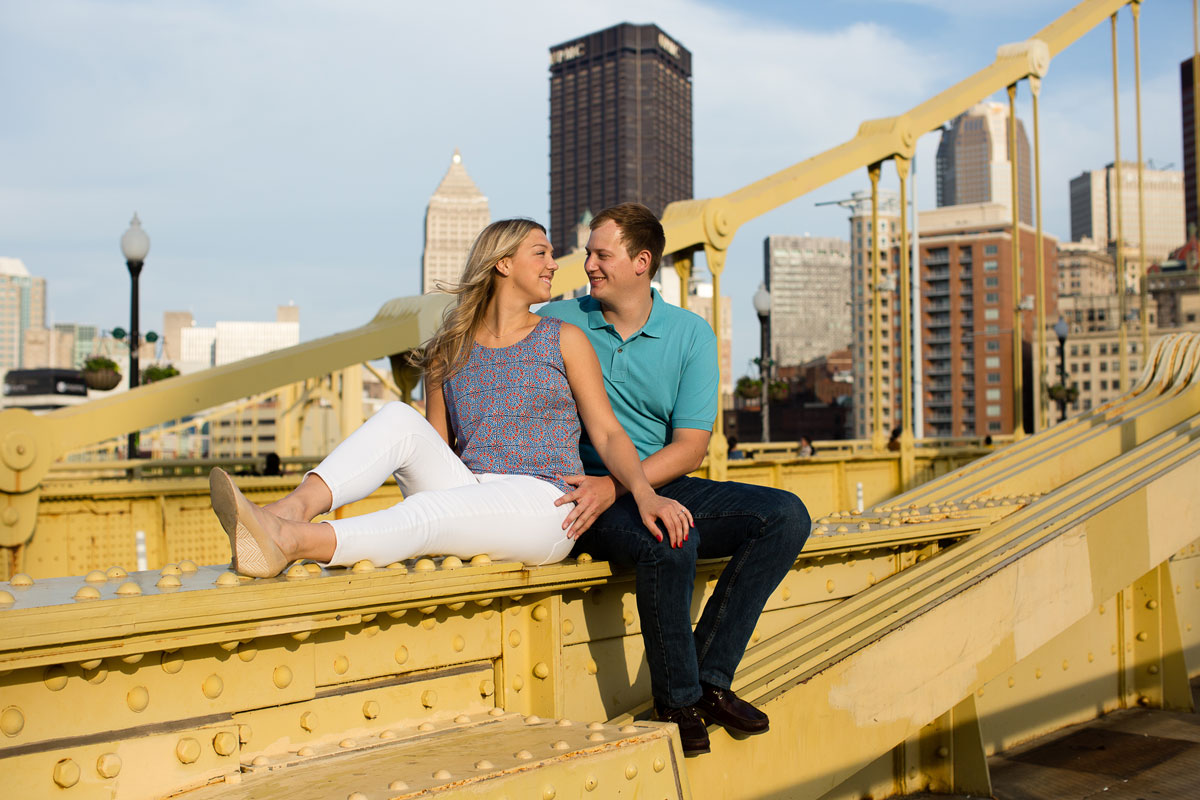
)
(505, 393)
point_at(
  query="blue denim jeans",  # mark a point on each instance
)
(759, 529)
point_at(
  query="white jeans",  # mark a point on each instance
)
(447, 509)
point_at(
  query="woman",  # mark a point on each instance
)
(506, 390)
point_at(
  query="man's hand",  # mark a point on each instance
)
(592, 496)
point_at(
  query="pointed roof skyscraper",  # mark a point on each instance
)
(457, 212)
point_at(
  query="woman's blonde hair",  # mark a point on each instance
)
(444, 354)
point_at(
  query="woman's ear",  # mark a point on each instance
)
(503, 266)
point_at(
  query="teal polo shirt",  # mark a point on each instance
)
(662, 377)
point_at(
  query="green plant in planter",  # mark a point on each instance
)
(158, 372)
(98, 363)
(1063, 394)
(748, 387)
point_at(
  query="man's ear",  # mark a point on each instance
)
(641, 262)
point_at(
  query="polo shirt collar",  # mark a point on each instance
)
(654, 323)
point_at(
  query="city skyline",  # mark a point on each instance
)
(258, 170)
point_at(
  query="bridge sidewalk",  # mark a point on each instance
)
(1135, 754)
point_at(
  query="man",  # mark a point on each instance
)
(660, 370)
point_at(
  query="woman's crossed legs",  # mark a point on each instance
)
(448, 509)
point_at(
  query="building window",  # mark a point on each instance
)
(991, 297)
(993, 411)
(991, 313)
(1074, 350)
(1104, 386)
(1104, 366)
(991, 282)
(993, 377)
(991, 266)
(993, 346)
(993, 394)
(990, 250)
(1087, 386)
(994, 427)
(991, 362)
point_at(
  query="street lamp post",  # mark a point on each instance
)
(1060, 330)
(135, 244)
(762, 306)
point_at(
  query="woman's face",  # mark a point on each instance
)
(533, 266)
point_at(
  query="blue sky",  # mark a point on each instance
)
(284, 150)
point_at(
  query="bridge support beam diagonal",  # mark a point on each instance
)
(350, 407)
(908, 359)
(1041, 395)
(529, 674)
(1160, 673)
(1122, 322)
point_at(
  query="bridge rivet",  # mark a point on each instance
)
(659, 765)
(129, 589)
(483, 763)
(523, 755)
(246, 651)
(568, 627)
(628, 729)
(213, 686)
(561, 744)
(451, 562)
(188, 750)
(388, 734)
(590, 783)
(282, 676)
(424, 565)
(227, 579)
(224, 743)
(363, 566)
(1151, 604)
(631, 772)
(595, 737)
(6, 598)
(306, 751)
(427, 610)
(356, 796)
(370, 709)
(455, 606)
(12, 721)
(459, 644)
(66, 773)
(297, 572)
(540, 670)
(346, 743)
(481, 559)
(486, 688)
(462, 719)
(549, 793)
(533, 719)
(188, 566)
(1012, 682)
(1142, 636)
(429, 698)
(583, 558)
(595, 726)
(172, 662)
(401, 654)
(398, 786)
(171, 569)
(87, 593)
(514, 638)
(518, 683)
(341, 665)
(169, 582)
(96, 576)
(540, 613)
(425, 726)
(108, 765)
(308, 721)
(496, 712)
(137, 699)
(1152, 669)
(943, 751)
(1037, 673)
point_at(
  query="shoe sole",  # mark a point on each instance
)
(253, 552)
(711, 720)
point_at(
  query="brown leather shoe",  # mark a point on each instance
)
(724, 708)
(693, 733)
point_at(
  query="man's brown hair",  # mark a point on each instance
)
(640, 230)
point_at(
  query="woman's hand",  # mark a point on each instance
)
(676, 519)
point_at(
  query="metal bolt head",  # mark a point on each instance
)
(66, 773)
(224, 743)
(187, 750)
(108, 765)
(631, 772)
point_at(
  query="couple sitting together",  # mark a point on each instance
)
(497, 466)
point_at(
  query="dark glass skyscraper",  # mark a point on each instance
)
(620, 124)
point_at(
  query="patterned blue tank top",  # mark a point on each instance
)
(512, 410)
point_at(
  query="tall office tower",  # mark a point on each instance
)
(457, 212)
(620, 124)
(968, 317)
(227, 342)
(861, 299)
(1189, 142)
(174, 322)
(973, 163)
(22, 306)
(809, 279)
(1094, 212)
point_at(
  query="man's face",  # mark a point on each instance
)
(612, 274)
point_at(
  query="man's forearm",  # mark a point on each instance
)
(673, 461)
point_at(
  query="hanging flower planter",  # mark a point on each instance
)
(101, 373)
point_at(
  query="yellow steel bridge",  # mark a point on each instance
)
(979, 597)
